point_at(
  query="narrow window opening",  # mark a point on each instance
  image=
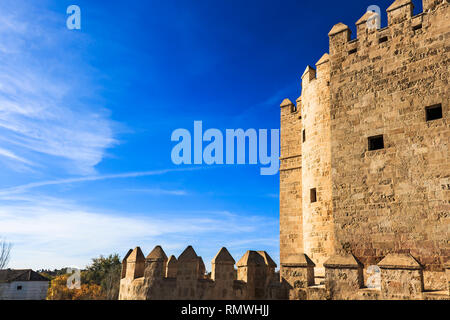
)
(418, 27)
(313, 195)
(19, 287)
(383, 39)
(352, 51)
(293, 108)
(304, 135)
(434, 112)
(376, 143)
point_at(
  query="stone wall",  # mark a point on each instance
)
(395, 199)
(188, 280)
(399, 276)
(371, 203)
(318, 226)
(291, 223)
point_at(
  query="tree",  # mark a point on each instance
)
(100, 281)
(5, 250)
(59, 291)
(105, 272)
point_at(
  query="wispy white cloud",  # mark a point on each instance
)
(26, 187)
(43, 88)
(159, 191)
(10, 155)
(52, 117)
(50, 232)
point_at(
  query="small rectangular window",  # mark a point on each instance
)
(313, 195)
(376, 143)
(304, 135)
(418, 27)
(434, 112)
(384, 39)
(19, 287)
(352, 51)
(293, 108)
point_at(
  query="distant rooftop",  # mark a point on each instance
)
(10, 275)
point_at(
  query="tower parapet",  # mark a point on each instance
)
(339, 35)
(363, 28)
(135, 264)
(257, 269)
(223, 274)
(401, 277)
(343, 277)
(401, 21)
(185, 278)
(400, 11)
(172, 267)
(124, 264)
(155, 263)
(223, 266)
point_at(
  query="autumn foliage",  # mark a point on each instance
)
(59, 290)
(100, 281)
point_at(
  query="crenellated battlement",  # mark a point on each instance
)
(186, 278)
(401, 23)
(396, 276)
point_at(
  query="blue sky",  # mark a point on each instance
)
(86, 118)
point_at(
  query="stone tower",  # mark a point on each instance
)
(365, 164)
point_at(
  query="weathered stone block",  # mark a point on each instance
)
(429, 5)
(124, 264)
(135, 264)
(343, 277)
(172, 267)
(339, 35)
(298, 271)
(400, 11)
(401, 277)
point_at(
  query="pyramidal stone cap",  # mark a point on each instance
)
(343, 261)
(223, 257)
(136, 255)
(157, 254)
(338, 28)
(298, 260)
(267, 259)
(399, 261)
(309, 70)
(172, 260)
(366, 17)
(286, 102)
(127, 255)
(188, 255)
(398, 4)
(325, 58)
(256, 258)
(251, 258)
